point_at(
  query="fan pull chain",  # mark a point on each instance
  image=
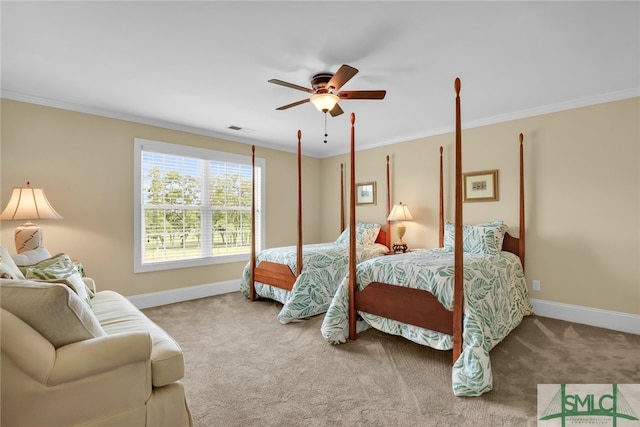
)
(325, 128)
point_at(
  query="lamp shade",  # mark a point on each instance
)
(29, 203)
(400, 212)
(324, 101)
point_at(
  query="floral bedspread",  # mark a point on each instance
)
(496, 300)
(324, 265)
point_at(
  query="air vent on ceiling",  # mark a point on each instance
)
(240, 129)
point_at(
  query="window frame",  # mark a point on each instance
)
(204, 154)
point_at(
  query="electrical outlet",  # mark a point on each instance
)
(535, 285)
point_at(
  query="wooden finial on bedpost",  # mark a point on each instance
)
(299, 251)
(521, 245)
(458, 274)
(441, 215)
(352, 236)
(252, 267)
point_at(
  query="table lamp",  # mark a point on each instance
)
(400, 213)
(28, 203)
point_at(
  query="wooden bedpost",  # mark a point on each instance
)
(458, 292)
(388, 236)
(252, 266)
(341, 197)
(352, 236)
(299, 251)
(521, 246)
(441, 216)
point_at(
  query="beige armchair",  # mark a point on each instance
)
(66, 363)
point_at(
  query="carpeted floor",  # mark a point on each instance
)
(243, 368)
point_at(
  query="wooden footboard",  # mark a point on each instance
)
(274, 274)
(412, 306)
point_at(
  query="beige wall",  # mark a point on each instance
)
(85, 165)
(582, 194)
(582, 174)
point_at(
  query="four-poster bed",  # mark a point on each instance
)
(304, 278)
(419, 295)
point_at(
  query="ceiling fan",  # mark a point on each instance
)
(326, 91)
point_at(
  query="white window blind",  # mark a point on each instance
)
(193, 206)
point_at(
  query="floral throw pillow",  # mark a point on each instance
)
(60, 269)
(366, 234)
(482, 239)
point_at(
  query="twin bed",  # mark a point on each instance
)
(304, 278)
(311, 291)
(465, 296)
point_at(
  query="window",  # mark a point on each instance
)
(192, 206)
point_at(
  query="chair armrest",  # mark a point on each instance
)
(90, 283)
(97, 355)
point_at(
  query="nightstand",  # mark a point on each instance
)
(400, 248)
(395, 253)
(409, 250)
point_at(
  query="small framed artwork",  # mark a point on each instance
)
(366, 193)
(480, 186)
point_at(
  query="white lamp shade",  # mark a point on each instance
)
(29, 203)
(325, 101)
(400, 212)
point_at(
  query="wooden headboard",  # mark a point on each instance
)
(515, 245)
(383, 238)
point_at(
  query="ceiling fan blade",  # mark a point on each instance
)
(336, 111)
(284, 107)
(343, 75)
(291, 85)
(362, 94)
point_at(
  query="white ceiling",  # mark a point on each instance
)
(204, 66)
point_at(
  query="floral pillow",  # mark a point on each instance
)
(60, 269)
(366, 234)
(482, 239)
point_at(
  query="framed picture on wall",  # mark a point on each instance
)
(480, 186)
(366, 193)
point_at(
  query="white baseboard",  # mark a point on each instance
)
(614, 320)
(155, 299)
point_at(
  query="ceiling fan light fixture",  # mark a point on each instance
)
(326, 91)
(324, 101)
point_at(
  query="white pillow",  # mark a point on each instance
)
(8, 268)
(33, 256)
